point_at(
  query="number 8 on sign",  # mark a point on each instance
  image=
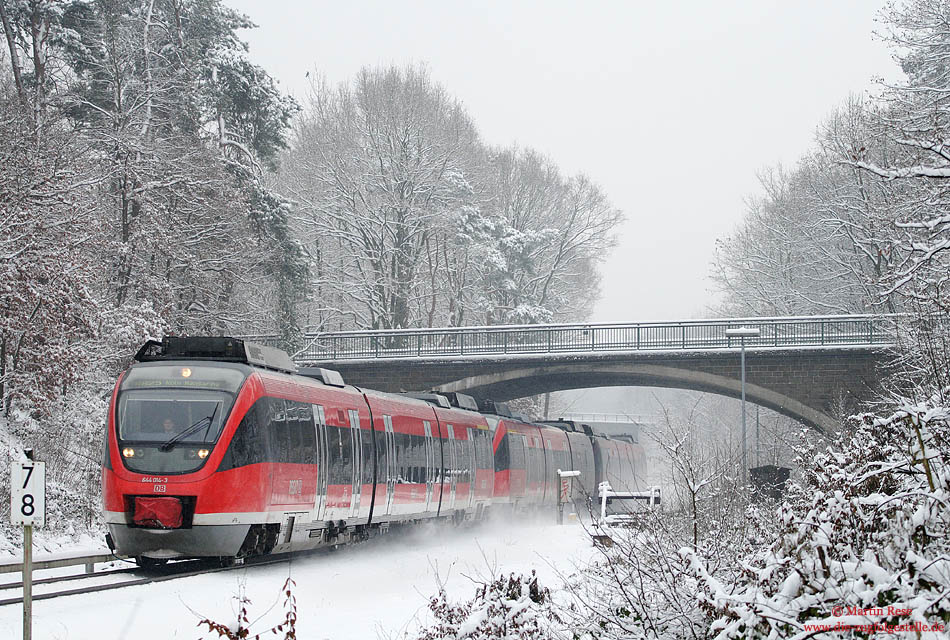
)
(28, 493)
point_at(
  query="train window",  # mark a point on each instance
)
(308, 437)
(501, 455)
(399, 458)
(516, 447)
(153, 415)
(369, 461)
(535, 460)
(340, 449)
(418, 459)
(249, 444)
(483, 457)
(279, 434)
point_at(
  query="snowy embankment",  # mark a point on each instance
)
(379, 589)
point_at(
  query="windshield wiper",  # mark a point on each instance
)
(167, 445)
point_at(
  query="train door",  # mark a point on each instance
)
(451, 465)
(357, 475)
(320, 425)
(518, 466)
(390, 438)
(430, 459)
(472, 468)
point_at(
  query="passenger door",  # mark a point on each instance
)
(472, 467)
(430, 462)
(320, 426)
(357, 475)
(390, 437)
(451, 466)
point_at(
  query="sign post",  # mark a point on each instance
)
(28, 507)
(566, 479)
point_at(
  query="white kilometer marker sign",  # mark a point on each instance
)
(28, 493)
(28, 507)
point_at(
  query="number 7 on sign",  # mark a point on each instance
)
(28, 493)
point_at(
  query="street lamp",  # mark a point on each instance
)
(742, 333)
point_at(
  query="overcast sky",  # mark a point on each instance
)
(672, 107)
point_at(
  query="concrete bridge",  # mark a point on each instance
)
(813, 369)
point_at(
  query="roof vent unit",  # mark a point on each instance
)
(564, 425)
(497, 408)
(216, 348)
(269, 357)
(432, 398)
(328, 377)
(461, 400)
(587, 430)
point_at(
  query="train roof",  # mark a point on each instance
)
(583, 427)
(236, 350)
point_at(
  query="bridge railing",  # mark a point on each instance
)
(571, 338)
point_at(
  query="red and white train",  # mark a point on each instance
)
(217, 447)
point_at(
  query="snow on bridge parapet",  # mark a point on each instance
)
(775, 332)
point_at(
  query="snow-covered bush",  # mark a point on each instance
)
(864, 539)
(508, 607)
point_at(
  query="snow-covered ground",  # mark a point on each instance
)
(379, 589)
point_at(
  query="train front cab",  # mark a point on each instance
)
(160, 494)
(262, 479)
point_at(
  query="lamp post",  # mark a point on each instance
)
(742, 333)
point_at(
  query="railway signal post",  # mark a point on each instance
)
(566, 489)
(28, 507)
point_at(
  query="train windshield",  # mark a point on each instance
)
(169, 417)
(172, 417)
(169, 431)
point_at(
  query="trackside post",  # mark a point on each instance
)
(565, 479)
(28, 507)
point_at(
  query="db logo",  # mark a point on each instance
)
(837, 611)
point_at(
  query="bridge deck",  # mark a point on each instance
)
(817, 331)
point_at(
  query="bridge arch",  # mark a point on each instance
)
(528, 381)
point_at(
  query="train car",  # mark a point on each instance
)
(617, 459)
(581, 460)
(613, 462)
(470, 480)
(217, 448)
(518, 451)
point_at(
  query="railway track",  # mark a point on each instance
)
(160, 574)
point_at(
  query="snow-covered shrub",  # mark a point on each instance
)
(508, 607)
(240, 629)
(864, 538)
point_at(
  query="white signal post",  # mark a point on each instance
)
(566, 481)
(28, 507)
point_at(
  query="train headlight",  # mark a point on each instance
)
(128, 452)
(203, 453)
(185, 372)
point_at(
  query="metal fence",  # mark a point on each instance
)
(579, 338)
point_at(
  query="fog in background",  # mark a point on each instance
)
(672, 107)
